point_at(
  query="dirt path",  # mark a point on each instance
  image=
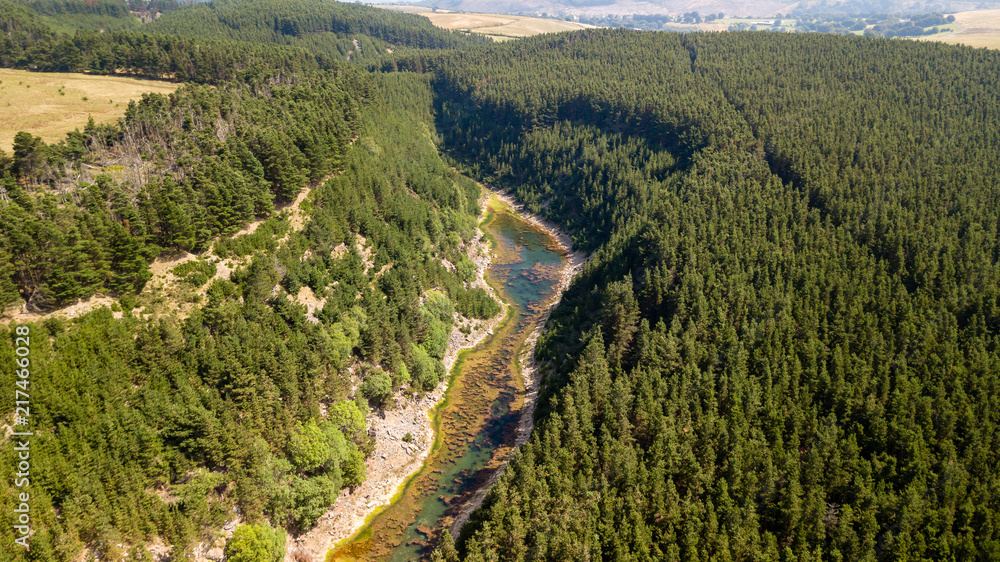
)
(19, 313)
(165, 284)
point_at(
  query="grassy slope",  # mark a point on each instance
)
(497, 26)
(30, 101)
(979, 28)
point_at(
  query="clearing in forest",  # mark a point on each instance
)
(51, 104)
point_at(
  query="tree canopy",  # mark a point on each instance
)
(785, 345)
(785, 342)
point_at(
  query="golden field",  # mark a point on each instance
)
(51, 104)
(500, 27)
(980, 28)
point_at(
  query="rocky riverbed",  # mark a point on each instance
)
(394, 460)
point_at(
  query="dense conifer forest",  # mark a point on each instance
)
(785, 345)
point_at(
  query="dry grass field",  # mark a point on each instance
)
(51, 104)
(980, 28)
(500, 27)
(526, 27)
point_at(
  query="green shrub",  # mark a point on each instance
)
(426, 370)
(256, 543)
(264, 238)
(315, 447)
(377, 387)
(195, 272)
(466, 269)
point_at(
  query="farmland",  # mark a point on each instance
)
(980, 28)
(500, 27)
(50, 105)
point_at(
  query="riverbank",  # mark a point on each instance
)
(528, 367)
(394, 462)
(487, 408)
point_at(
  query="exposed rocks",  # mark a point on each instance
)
(529, 368)
(394, 460)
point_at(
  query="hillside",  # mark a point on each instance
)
(496, 26)
(237, 382)
(356, 32)
(979, 28)
(51, 104)
(785, 343)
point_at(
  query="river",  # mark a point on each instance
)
(478, 418)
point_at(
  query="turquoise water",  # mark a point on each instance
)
(526, 287)
(521, 285)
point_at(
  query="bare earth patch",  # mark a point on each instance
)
(307, 298)
(19, 313)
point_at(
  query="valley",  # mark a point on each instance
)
(488, 400)
(360, 284)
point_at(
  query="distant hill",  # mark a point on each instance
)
(745, 8)
(285, 21)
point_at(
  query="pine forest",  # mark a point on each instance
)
(784, 345)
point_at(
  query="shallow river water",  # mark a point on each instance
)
(478, 418)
